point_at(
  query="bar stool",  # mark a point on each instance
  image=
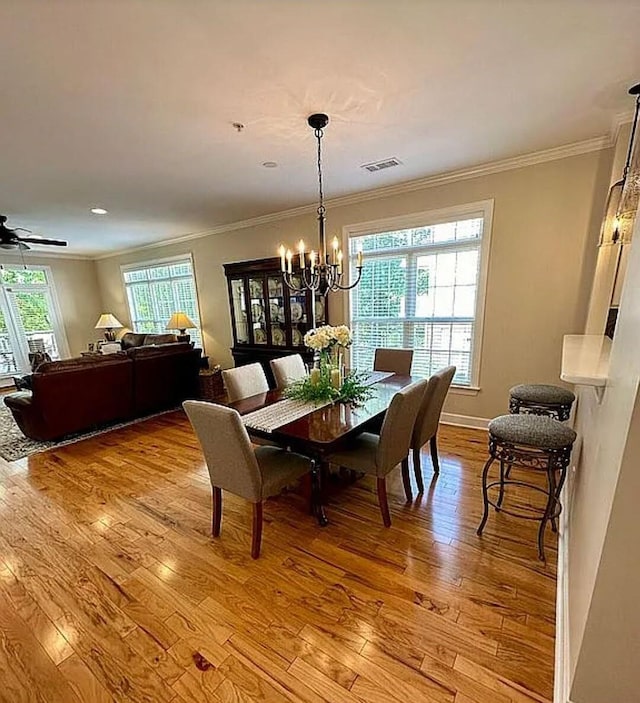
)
(534, 443)
(541, 399)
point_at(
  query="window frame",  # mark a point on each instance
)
(481, 208)
(188, 256)
(57, 319)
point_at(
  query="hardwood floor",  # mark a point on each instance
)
(112, 589)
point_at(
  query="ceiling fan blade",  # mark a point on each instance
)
(37, 240)
(13, 244)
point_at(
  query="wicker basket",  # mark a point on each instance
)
(211, 386)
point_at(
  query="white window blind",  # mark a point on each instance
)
(420, 290)
(158, 289)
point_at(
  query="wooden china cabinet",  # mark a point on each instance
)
(268, 318)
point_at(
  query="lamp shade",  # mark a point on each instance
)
(108, 322)
(180, 321)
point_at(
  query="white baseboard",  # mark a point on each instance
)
(475, 423)
(562, 679)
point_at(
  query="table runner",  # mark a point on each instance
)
(283, 412)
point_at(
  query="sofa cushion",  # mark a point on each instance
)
(147, 352)
(160, 339)
(130, 340)
(79, 362)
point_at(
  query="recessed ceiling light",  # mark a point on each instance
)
(99, 211)
(270, 164)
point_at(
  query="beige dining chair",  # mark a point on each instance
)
(395, 360)
(244, 381)
(287, 369)
(428, 420)
(378, 455)
(253, 473)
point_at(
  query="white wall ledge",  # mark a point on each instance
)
(585, 359)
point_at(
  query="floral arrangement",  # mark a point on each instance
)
(326, 337)
(327, 382)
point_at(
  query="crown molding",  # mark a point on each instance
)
(531, 159)
(617, 123)
(38, 254)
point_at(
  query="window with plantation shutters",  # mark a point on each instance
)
(422, 288)
(156, 290)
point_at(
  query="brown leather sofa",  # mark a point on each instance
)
(77, 394)
(130, 340)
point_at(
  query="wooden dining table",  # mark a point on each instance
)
(325, 429)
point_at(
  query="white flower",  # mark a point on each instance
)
(342, 335)
(326, 336)
(318, 339)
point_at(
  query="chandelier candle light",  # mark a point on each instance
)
(320, 272)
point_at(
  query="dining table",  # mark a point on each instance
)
(320, 430)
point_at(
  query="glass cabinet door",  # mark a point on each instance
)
(239, 311)
(298, 310)
(277, 315)
(258, 314)
(321, 310)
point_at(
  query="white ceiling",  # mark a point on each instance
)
(128, 104)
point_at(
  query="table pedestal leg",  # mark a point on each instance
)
(316, 493)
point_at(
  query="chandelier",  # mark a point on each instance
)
(622, 202)
(320, 271)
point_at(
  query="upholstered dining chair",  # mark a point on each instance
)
(378, 455)
(244, 381)
(253, 473)
(395, 360)
(287, 369)
(428, 420)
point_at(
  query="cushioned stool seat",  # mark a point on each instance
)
(533, 443)
(541, 399)
(532, 431)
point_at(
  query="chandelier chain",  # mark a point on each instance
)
(627, 163)
(321, 207)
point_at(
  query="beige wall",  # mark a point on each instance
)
(604, 530)
(545, 225)
(77, 292)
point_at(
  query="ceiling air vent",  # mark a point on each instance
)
(380, 165)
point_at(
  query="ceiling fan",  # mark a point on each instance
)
(9, 238)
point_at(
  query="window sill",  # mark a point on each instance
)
(464, 390)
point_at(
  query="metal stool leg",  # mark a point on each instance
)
(485, 495)
(502, 479)
(549, 510)
(563, 476)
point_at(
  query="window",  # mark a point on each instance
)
(156, 290)
(422, 288)
(29, 319)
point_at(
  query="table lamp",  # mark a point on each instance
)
(108, 323)
(180, 321)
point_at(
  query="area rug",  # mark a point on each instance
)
(14, 445)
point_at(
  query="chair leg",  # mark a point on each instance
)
(433, 443)
(485, 496)
(217, 511)
(384, 504)
(256, 537)
(406, 480)
(549, 510)
(502, 480)
(417, 469)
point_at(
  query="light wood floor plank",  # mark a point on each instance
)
(111, 583)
